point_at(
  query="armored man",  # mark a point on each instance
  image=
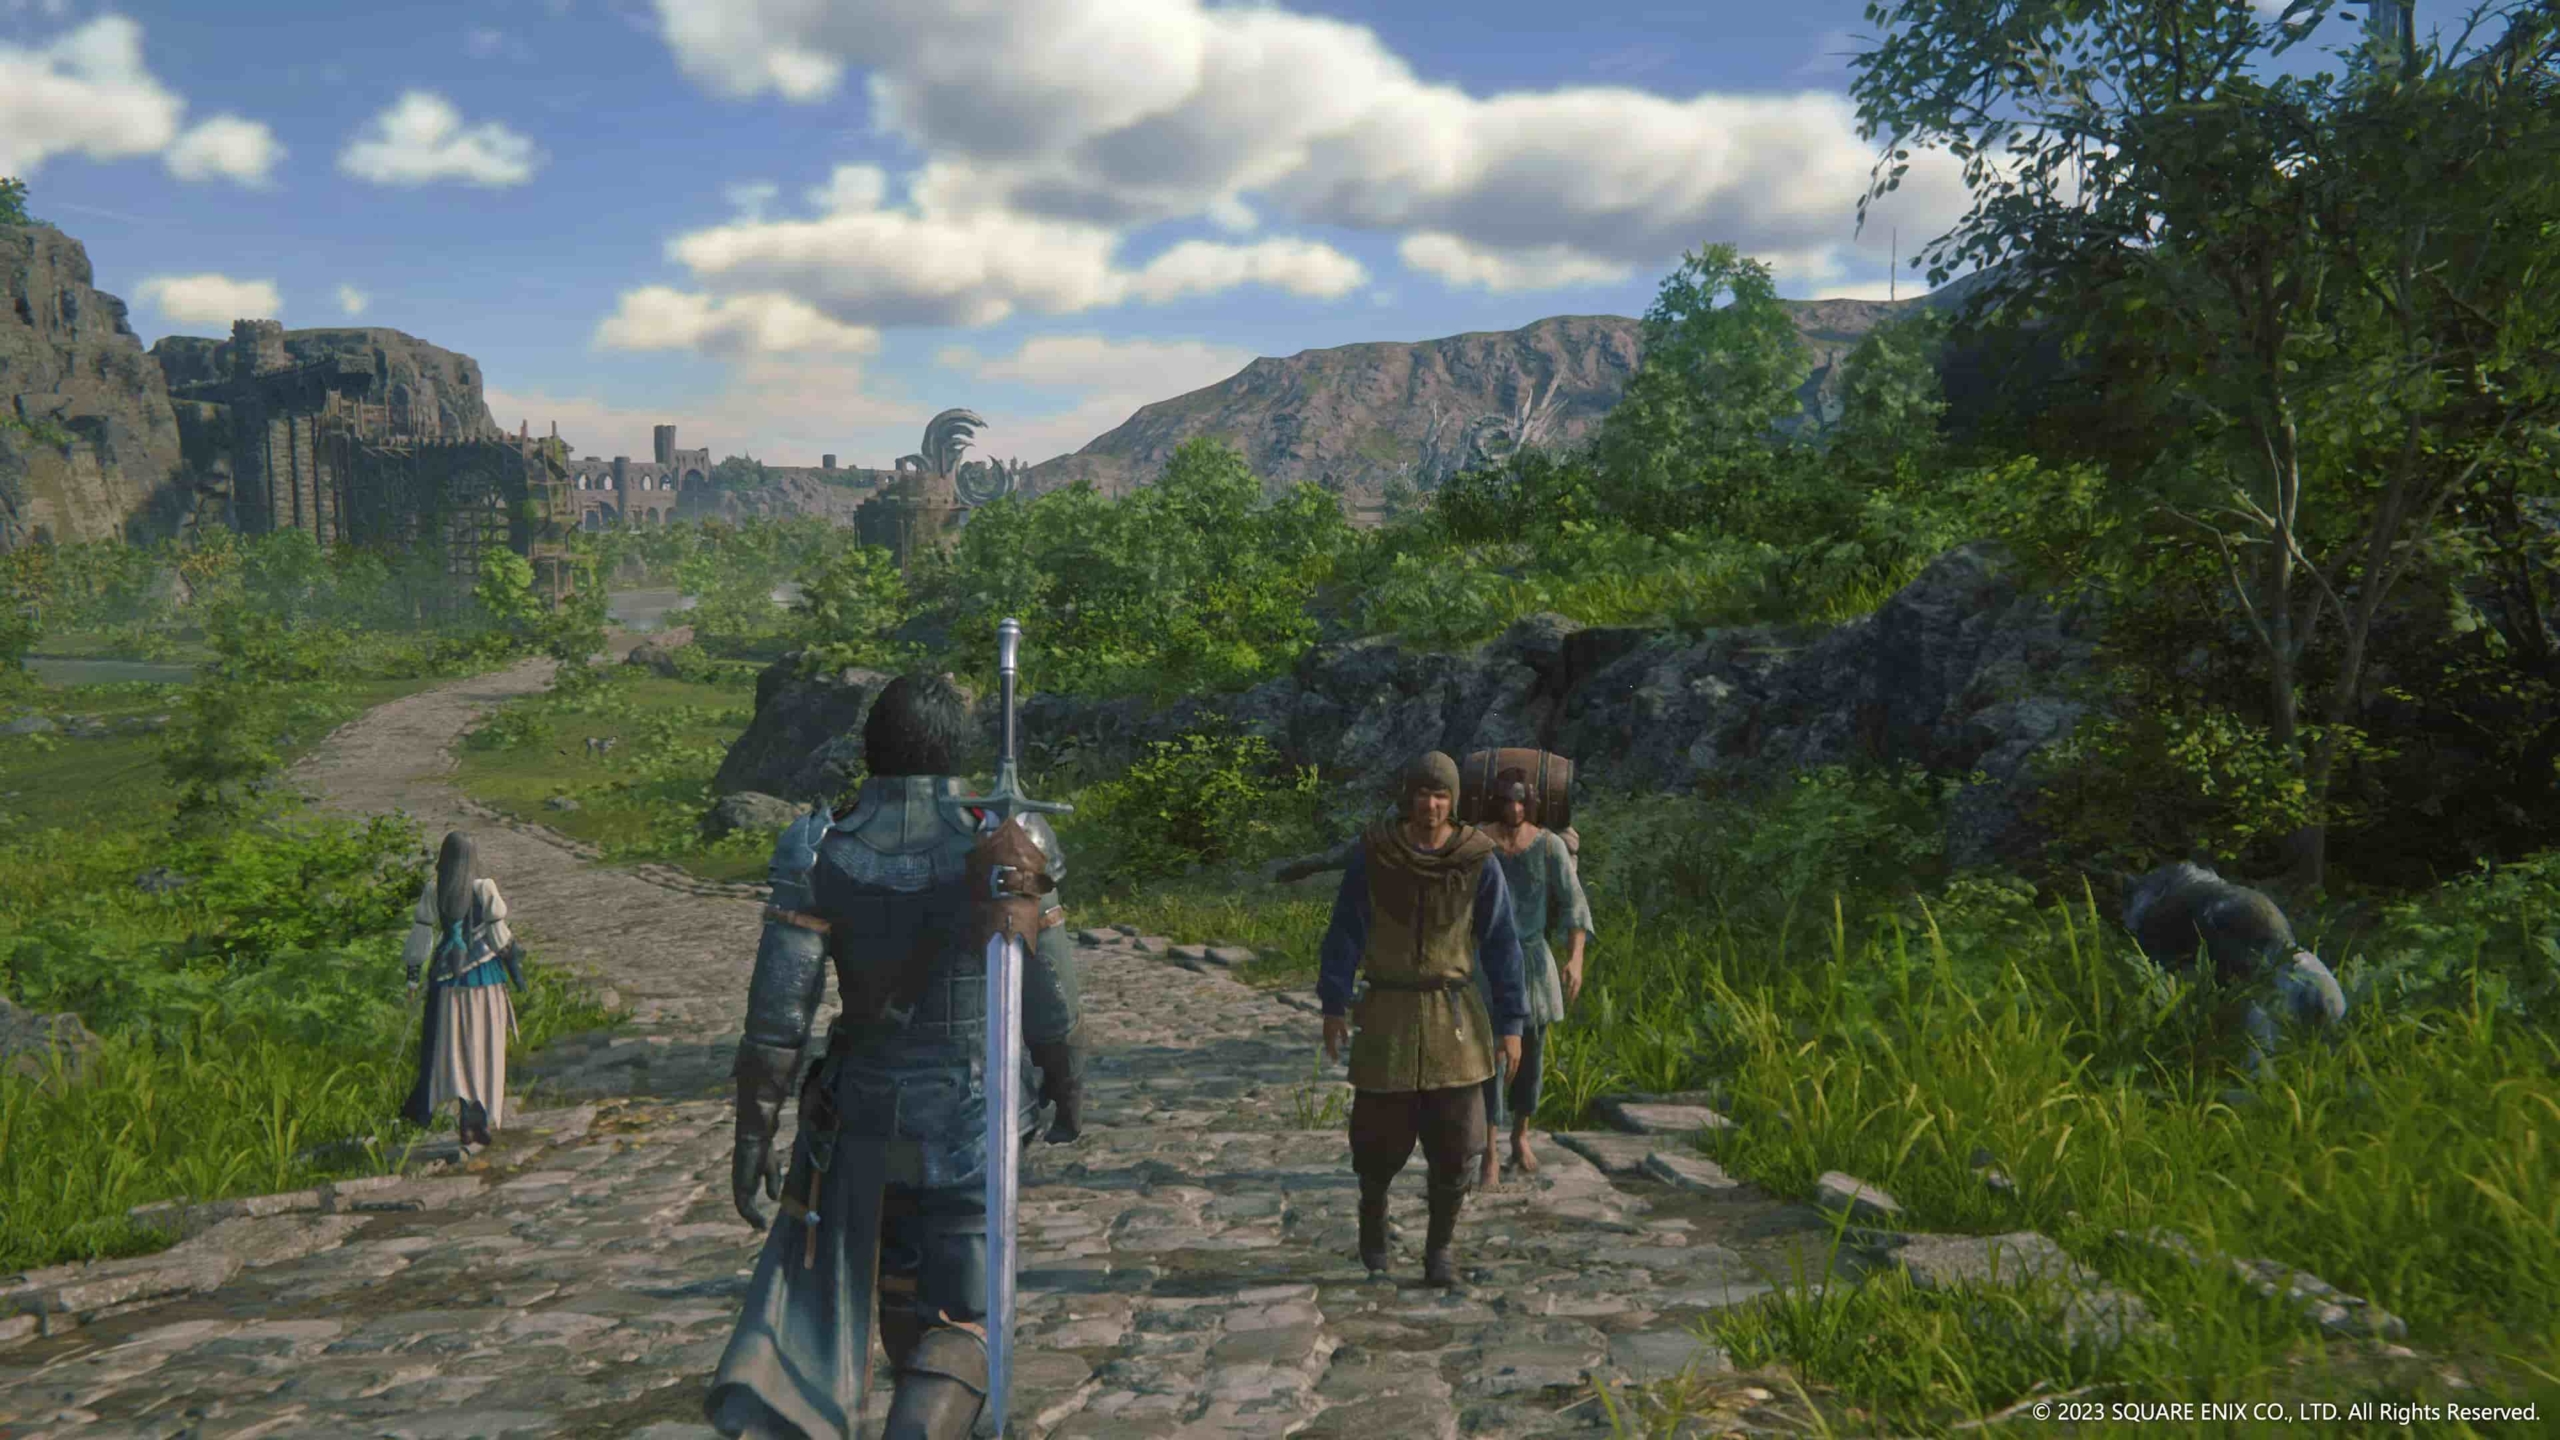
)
(1422, 905)
(886, 1194)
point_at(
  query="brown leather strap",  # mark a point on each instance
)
(794, 917)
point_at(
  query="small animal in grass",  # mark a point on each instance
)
(2179, 908)
(599, 746)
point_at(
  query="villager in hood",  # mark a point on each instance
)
(458, 937)
(1422, 906)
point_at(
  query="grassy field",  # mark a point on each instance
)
(249, 1018)
(642, 800)
(1896, 1030)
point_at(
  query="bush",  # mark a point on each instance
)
(1205, 798)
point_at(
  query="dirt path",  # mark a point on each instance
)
(1188, 1265)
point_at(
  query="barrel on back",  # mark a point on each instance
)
(1550, 786)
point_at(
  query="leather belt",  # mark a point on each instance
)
(794, 917)
(1425, 986)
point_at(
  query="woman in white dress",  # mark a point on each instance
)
(459, 938)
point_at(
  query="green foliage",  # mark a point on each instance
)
(505, 594)
(850, 608)
(1697, 416)
(1192, 583)
(1891, 399)
(740, 472)
(1205, 798)
(221, 744)
(13, 201)
(2151, 782)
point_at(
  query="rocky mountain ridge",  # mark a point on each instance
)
(1356, 416)
(441, 388)
(88, 443)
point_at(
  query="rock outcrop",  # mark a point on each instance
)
(805, 742)
(1356, 415)
(427, 389)
(1963, 670)
(88, 441)
(785, 493)
(31, 1045)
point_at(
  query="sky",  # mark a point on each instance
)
(795, 227)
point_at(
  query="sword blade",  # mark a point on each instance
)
(1004, 1161)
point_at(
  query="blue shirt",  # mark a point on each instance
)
(1346, 942)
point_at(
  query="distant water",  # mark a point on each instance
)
(100, 672)
(650, 609)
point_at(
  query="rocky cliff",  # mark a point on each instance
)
(1962, 671)
(439, 390)
(1356, 415)
(88, 442)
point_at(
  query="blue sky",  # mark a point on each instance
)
(795, 226)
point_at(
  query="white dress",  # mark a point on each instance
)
(466, 1059)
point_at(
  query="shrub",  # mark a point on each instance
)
(1204, 798)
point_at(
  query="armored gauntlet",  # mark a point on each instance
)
(1061, 1084)
(764, 1075)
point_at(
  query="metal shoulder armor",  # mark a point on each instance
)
(795, 855)
(1047, 839)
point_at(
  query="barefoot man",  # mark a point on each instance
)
(1546, 895)
(1422, 907)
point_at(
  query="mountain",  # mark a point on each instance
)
(1357, 415)
(439, 390)
(88, 442)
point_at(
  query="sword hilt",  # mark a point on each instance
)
(1005, 799)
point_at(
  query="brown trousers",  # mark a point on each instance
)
(1386, 1123)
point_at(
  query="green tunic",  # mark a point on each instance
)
(1422, 928)
(1546, 899)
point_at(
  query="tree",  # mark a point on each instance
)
(1891, 398)
(740, 472)
(1722, 363)
(13, 201)
(2334, 278)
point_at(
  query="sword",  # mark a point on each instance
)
(1004, 803)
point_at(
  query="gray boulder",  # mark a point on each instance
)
(658, 652)
(29, 1041)
(805, 742)
(751, 812)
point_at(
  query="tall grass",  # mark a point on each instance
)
(250, 1019)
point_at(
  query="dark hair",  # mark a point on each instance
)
(1512, 784)
(917, 726)
(457, 865)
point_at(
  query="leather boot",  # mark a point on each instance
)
(1439, 1266)
(1373, 1227)
(941, 1387)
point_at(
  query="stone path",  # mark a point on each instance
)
(1188, 1265)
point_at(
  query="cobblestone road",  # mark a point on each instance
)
(1188, 1263)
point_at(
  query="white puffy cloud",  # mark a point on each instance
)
(782, 412)
(87, 93)
(226, 147)
(1115, 377)
(655, 317)
(1544, 267)
(211, 299)
(352, 300)
(1114, 114)
(421, 139)
(950, 257)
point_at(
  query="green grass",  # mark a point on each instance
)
(252, 1016)
(643, 801)
(1864, 1011)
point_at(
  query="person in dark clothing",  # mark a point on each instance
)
(886, 1192)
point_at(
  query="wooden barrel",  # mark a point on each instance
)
(1550, 786)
